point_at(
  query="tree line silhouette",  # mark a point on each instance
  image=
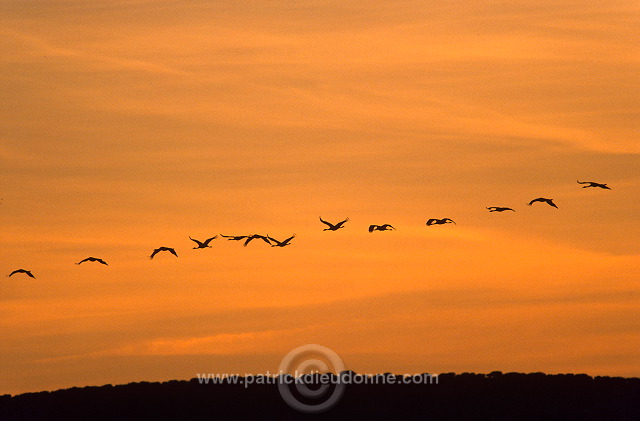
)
(467, 396)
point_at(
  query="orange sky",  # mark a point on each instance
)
(129, 125)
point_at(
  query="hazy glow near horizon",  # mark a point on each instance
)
(129, 125)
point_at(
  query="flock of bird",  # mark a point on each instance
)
(330, 227)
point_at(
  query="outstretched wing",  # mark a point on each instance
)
(432, 221)
(339, 224)
(156, 251)
(234, 237)
(263, 238)
(26, 272)
(450, 220)
(172, 251)
(197, 242)
(372, 228)
(208, 240)
(101, 261)
(83, 260)
(329, 224)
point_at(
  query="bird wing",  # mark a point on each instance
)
(372, 228)
(102, 261)
(234, 237)
(196, 241)
(339, 224)
(208, 240)
(431, 221)
(277, 243)
(83, 260)
(172, 251)
(449, 219)
(156, 251)
(329, 224)
(583, 182)
(28, 273)
(289, 239)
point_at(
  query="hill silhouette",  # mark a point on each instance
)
(466, 396)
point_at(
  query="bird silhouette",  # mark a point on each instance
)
(233, 237)
(442, 221)
(281, 243)
(385, 227)
(27, 272)
(203, 244)
(499, 209)
(92, 259)
(542, 199)
(159, 249)
(333, 227)
(254, 236)
(594, 184)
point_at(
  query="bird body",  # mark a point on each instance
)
(594, 184)
(233, 237)
(92, 259)
(434, 221)
(385, 227)
(281, 243)
(333, 227)
(203, 244)
(499, 209)
(542, 199)
(159, 249)
(26, 272)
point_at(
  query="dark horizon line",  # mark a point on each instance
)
(234, 379)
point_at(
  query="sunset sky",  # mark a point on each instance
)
(128, 125)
